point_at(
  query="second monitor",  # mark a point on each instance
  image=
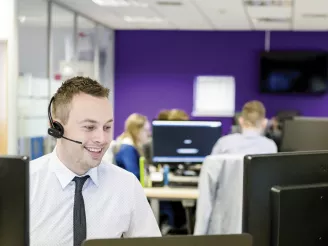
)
(266, 177)
(184, 141)
(304, 134)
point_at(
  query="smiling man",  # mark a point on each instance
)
(74, 195)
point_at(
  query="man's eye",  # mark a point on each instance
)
(89, 128)
(107, 128)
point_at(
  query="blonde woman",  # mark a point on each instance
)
(129, 148)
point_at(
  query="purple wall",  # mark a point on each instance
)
(155, 69)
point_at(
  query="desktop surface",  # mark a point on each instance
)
(211, 240)
(14, 200)
(184, 141)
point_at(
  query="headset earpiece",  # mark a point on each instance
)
(57, 130)
(59, 127)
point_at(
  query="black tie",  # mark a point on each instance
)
(79, 219)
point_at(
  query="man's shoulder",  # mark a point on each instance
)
(111, 171)
(269, 142)
(39, 164)
(230, 137)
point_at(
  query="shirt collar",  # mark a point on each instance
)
(64, 175)
(252, 132)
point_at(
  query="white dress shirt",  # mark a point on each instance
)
(249, 141)
(115, 203)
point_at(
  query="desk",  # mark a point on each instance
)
(187, 196)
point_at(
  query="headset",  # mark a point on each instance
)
(56, 129)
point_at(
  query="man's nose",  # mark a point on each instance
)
(100, 136)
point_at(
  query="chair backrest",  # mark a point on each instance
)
(222, 240)
(219, 206)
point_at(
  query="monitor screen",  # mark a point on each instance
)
(294, 72)
(262, 173)
(14, 200)
(305, 133)
(184, 141)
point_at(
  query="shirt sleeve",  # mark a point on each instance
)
(143, 222)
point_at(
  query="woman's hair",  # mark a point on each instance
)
(178, 114)
(133, 124)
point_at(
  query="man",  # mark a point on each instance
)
(74, 195)
(163, 114)
(251, 140)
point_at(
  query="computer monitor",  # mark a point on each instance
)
(14, 200)
(185, 142)
(209, 240)
(262, 173)
(304, 224)
(305, 133)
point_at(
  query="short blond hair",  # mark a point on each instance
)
(253, 113)
(163, 114)
(71, 87)
(178, 114)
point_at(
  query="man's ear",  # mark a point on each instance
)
(58, 121)
(265, 123)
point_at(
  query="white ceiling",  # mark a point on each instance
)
(188, 14)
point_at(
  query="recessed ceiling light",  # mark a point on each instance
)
(268, 2)
(169, 3)
(276, 20)
(311, 15)
(142, 19)
(120, 3)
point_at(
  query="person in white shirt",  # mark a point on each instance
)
(251, 140)
(74, 195)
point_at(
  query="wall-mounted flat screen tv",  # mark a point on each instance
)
(304, 72)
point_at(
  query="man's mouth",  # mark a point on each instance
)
(93, 149)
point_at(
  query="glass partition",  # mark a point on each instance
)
(32, 95)
(53, 47)
(87, 55)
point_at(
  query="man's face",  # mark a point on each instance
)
(90, 122)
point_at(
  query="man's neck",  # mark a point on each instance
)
(70, 164)
(251, 129)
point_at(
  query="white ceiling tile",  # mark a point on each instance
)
(190, 15)
(302, 6)
(310, 16)
(269, 11)
(225, 14)
(101, 14)
(135, 11)
(184, 16)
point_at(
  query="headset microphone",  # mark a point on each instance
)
(56, 129)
